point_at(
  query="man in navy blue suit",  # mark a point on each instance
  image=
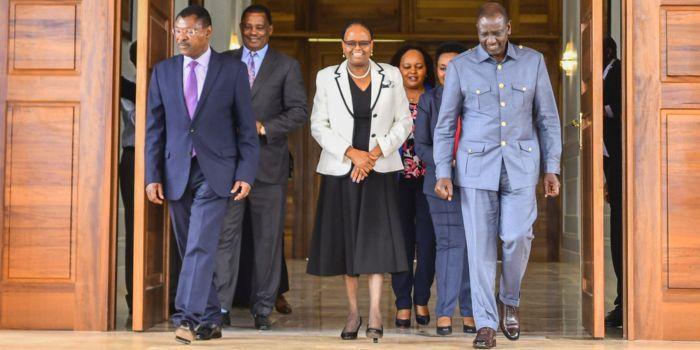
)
(201, 148)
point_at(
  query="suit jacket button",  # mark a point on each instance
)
(191, 131)
(374, 116)
(374, 135)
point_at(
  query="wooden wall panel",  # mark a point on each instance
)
(683, 167)
(682, 41)
(56, 127)
(663, 107)
(40, 183)
(330, 16)
(44, 36)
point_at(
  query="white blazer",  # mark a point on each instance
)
(332, 120)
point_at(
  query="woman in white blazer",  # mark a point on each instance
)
(360, 119)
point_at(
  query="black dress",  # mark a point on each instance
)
(358, 228)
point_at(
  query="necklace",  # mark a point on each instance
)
(359, 76)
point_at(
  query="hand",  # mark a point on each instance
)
(241, 186)
(551, 185)
(357, 175)
(443, 188)
(376, 153)
(259, 126)
(361, 159)
(154, 191)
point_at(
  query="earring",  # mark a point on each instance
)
(371, 54)
(343, 54)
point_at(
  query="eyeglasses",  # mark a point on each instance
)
(353, 43)
(190, 32)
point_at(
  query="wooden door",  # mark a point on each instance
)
(57, 124)
(663, 167)
(591, 133)
(151, 222)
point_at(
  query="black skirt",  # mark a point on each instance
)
(358, 228)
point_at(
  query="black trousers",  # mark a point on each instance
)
(126, 187)
(612, 166)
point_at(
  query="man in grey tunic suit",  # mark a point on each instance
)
(279, 104)
(509, 121)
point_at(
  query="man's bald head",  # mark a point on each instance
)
(493, 9)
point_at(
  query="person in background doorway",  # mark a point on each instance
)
(612, 165)
(126, 172)
(412, 288)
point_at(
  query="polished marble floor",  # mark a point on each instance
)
(551, 320)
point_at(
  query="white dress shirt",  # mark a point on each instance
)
(200, 70)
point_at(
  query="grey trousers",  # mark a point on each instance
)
(266, 203)
(507, 214)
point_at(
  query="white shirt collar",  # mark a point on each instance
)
(202, 60)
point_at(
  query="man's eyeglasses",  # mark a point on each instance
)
(190, 32)
(353, 43)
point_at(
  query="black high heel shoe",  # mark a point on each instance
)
(400, 323)
(375, 333)
(446, 330)
(422, 320)
(345, 335)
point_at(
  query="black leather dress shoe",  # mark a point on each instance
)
(351, 335)
(510, 320)
(184, 333)
(207, 331)
(468, 329)
(485, 338)
(447, 330)
(262, 323)
(614, 318)
(226, 318)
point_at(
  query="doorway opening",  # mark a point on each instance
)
(552, 285)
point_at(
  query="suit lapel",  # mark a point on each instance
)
(343, 83)
(179, 85)
(212, 74)
(266, 68)
(377, 82)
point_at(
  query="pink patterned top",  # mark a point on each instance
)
(413, 167)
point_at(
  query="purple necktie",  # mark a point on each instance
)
(251, 68)
(191, 93)
(191, 89)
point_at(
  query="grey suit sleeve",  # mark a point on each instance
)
(450, 109)
(547, 121)
(294, 101)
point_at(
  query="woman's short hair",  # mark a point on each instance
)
(449, 47)
(358, 22)
(430, 72)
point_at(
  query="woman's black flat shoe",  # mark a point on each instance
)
(468, 329)
(447, 330)
(375, 333)
(345, 335)
(402, 323)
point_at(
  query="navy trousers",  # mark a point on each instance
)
(419, 237)
(197, 218)
(451, 262)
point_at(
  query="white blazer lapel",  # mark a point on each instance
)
(377, 82)
(343, 83)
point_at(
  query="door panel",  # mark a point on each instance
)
(663, 161)
(58, 161)
(592, 257)
(151, 222)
